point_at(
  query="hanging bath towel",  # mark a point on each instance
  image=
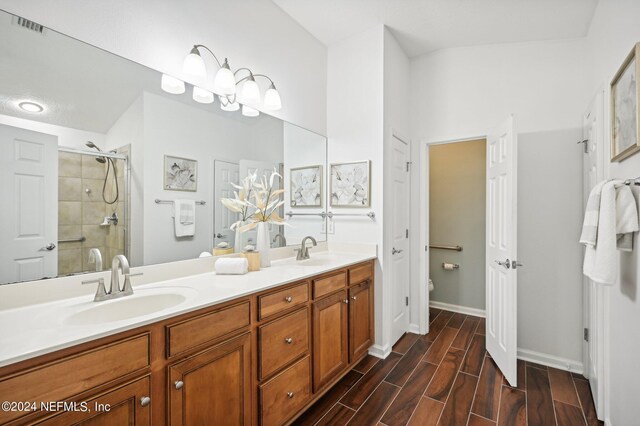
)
(184, 217)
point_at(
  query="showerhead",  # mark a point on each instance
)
(100, 160)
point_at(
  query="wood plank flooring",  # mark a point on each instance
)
(447, 378)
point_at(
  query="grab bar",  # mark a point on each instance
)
(73, 240)
(438, 246)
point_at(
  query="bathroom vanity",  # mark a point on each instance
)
(262, 357)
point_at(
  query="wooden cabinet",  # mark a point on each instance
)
(214, 384)
(127, 405)
(282, 341)
(330, 347)
(360, 320)
(284, 395)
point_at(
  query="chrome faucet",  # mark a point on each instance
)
(119, 263)
(96, 257)
(303, 251)
(283, 240)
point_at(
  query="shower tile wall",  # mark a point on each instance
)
(81, 210)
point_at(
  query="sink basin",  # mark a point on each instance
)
(143, 302)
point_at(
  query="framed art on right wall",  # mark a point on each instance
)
(625, 93)
(350, 184)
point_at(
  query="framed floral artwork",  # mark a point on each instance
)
(625, 93)
(351, 184)
(306, 186)
(180, 174)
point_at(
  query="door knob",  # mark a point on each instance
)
(515, 264)
(219, 235)
(506, 263)
(394, 251)
(49, 247)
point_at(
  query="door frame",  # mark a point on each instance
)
(420, 286)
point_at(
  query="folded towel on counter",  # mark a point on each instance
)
(184, 214)
(591, 215)
(617, 220)
(232, 266)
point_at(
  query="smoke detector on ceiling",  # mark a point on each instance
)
(28, 25)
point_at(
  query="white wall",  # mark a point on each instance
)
(464, 93)
(355, 132)
(67, 137)
(613, 32)
(159, 33)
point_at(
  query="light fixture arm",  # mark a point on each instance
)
(251, 74)
(197, 46)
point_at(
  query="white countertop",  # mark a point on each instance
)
(34, 330)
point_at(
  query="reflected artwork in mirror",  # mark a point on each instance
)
(84, 138)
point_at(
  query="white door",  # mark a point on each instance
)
(29, 190)
(501, 246)
(225, 174)
(261, 168)
(400, 255)
(593, 294)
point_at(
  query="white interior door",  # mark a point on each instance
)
(225, 174)
(400, 256)
(262, 168)
(501, 246)
(29, 190)
(594, 294)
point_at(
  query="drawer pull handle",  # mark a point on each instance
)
(288, 299)
(354, 297)
(290, 394)
(288, 340)
(145, 400)
(179, 384)
(346, 301)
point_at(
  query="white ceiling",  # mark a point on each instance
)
(423, 26)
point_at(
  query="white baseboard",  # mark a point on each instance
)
(414, 328)
(551, 361)
(380, 351)
(457, 308)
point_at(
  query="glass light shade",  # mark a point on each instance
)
(272, 98)
(225, 81)
(229, 106)
(247, 111)
(194, 64)
(172, 85)
(202, 96)
(250, 92)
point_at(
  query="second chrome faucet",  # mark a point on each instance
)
(119, 264)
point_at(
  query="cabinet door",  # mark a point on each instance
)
(330, 351)
(213, 387)
(122, 406)
(360, 319)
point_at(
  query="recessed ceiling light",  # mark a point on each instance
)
(31, 106)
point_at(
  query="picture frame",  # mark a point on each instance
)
(306, 186)
(625, 117)
(180, 174)
(350, 184)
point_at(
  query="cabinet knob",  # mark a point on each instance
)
(354, 297)
(179, 384)
(288, 340)
(288, 299)
(290, 394)
(145, 400)
(346, 301)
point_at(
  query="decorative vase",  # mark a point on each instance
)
(263, 244)
(239, 244)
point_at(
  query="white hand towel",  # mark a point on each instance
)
(184, 217)
(591, 215)
(626, 218)
(231, 266)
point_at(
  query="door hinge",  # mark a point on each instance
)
(408, 165)
(585, 334)
(406, 233)
(406, 300)
(426, 248)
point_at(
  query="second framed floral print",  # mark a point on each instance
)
(351, 184)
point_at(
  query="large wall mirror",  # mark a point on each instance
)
(93, 155)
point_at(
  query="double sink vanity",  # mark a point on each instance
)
(200, 349)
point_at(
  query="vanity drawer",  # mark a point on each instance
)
(72, 375)
(191, 333)
(285, 394)
(329, 284)
(283, 299)
(360, 273)
(283, 340)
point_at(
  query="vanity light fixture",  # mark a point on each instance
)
(225, 83)
(247, 111)
(31, 107)
(202, 96)
(172, 85)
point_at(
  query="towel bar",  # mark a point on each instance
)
(159, 201)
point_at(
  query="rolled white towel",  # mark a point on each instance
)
(232, 266)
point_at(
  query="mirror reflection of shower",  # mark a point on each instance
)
(111, 171)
